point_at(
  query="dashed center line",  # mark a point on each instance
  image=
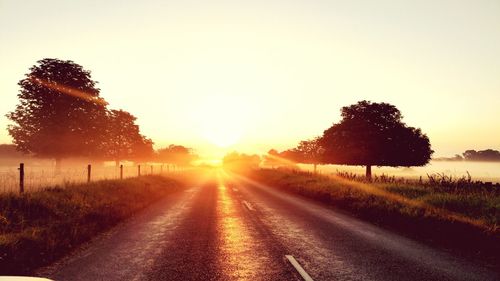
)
(248, 205)
(299, 268)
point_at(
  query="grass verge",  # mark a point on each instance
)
(37, 228)
(461, 220)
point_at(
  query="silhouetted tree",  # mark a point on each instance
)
(275, 159)
(240, 162)
(309, 152)
(123, 137)
(9, 151)
(272, 158)
(374, 134)
(60, 113)
(291, 154)
(482, 155)
(142, 150)
(176, 154)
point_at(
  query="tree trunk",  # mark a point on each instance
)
(315, 167)
(117, 163)
(369, 172)
(58, 166)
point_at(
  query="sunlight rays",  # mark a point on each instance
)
(67, 90)
(236, 239)
(370, 189)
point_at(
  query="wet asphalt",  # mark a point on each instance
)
(232, 228)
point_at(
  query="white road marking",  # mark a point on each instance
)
(235, 189)
(299, 268)
(248, 205)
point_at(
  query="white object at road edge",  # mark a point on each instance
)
(299, 268)
(248, 205)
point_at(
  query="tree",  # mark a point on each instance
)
(10, 156)
(275, 159)
(142, 149)
(9, 151)
(237, 162)
(123, 138)
(374, 134)
(176, 154)
(60, 113)
(272, 158)
(309, 152)
(482, 155)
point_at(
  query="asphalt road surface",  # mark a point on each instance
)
(236, 229)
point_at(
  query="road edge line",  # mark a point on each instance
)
(299, 268)
(249, 207)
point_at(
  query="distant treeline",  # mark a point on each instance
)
(9, 151)
(489, 155)
(172, 154)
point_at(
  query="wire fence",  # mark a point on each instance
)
(25, 178)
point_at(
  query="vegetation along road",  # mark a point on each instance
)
(232, 228)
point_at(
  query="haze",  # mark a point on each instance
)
(250, 75)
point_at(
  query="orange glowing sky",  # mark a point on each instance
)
(253, 75)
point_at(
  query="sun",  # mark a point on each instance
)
(223, 120)
(221, 135)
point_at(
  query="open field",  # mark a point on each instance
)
(38, 227)
(38, 177)
(466, 216)
(483, 171)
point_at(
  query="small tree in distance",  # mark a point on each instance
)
(309, 152)
(177, 155)
(237, 162)
(373, 134)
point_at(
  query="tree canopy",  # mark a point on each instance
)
(309, 152)
(374, 134)
(235, 161)
(482, 155)
(60, 113)
(306, 152)
(123, 138)
(9, 151)
(273, 158)
(176, 154)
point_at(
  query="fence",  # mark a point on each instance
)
(25, 178)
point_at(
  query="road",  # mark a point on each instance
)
(235, 229)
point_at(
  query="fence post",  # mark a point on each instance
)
(151, 169)
(21, 177)
(89, 172)
(161, 169)
(138, 170)
(168, 168)
(121, 171)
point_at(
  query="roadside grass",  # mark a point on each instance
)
(37, 228)
(462, 218)
(482, 206)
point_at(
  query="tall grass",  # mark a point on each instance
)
(38, 227)
(457, 213)
(39, 177)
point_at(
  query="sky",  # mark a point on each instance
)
(220, 76)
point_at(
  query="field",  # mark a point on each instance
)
(438, 208)
(38, 227)
(484, 171)
(40, 175)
